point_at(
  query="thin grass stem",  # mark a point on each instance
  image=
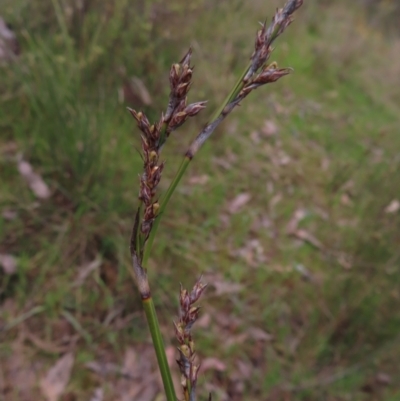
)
(159, 348)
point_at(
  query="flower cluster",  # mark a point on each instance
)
(154, 136)
(265, 36)
(258, 73)
(180, 79)
(187, 317)
(152, 169)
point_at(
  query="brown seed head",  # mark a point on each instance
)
(186, 58)
(174, 75)
(291, 6)
(194, 373)
(197, 290)
(271, 75)
(153, 156)
(182, 89)
(195, 108)
(156, 208)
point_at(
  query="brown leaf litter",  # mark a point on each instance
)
(19, 373)
(237, 203)
(53, 384)
(34, 180)
(8, 263)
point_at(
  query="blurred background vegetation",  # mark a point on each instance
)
(291, 211)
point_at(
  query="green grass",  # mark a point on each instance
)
(338, 130)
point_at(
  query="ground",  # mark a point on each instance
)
(290, 211)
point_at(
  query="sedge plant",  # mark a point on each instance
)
(258, 72)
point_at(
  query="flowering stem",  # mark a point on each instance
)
(257, 73)
(248, 81)
(159, 348)
(185, 163)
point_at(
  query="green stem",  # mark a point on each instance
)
(158, 344)
(232, 95)
(165, 199)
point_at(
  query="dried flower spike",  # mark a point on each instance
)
(187, 317)
(266, 36)
(154, 136)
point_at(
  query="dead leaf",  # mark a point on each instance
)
(393, 207)
(113, 314)
(46, 346)
(8, 148)
(236, 387)
(264, 224)
(140, 376)
(204, 320)
(34, 180)
(199, 179)
(297, 217)
(269, 128)
(122, 322)
(284, 159)
(244, 369)
(255, 137)
(98, 395)
(130, 366)
(9, 46)
(305, 273)
(225, 220)
(103, 368)
(85, 270)
(212, 364)
(9, 214)
(305, 236)
(9, 263)
(377, 155)
(332, 94)
(149, 393)
(325, 163)
(257, 334)
(226, 322)
(348, 186)
(224, 287)
(238, 339)
(237, 203)
(253, 253)
(57, 378)
(275, 200)
(279, 109)
(344, 261)
(281, 269)
(221, 162)
(19, 372)
(346, 200)
(383, 379)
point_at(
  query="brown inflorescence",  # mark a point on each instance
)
(180, 78)
(152, 169)
(265, 36)
(154, 136)
(187, 317)
(258, 73)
